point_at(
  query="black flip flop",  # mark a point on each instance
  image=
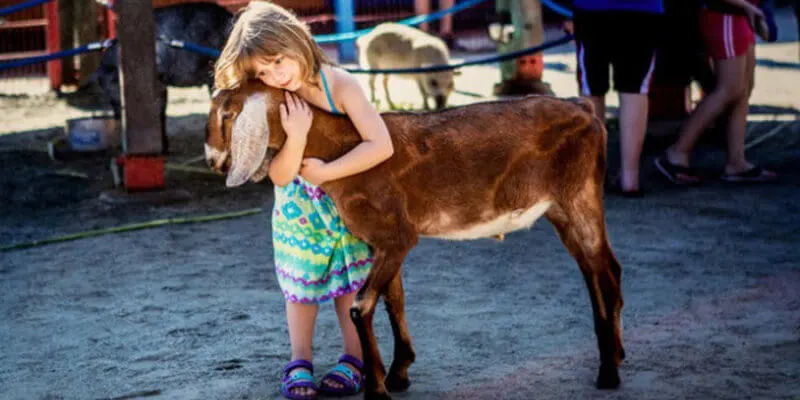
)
(677, 174)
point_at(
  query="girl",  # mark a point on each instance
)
(316, 258)
(728, 32)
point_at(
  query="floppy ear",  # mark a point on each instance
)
(249, 140)
(263, 170)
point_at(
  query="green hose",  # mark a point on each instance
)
(131, 227)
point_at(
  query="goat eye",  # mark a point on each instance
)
(434, 83)
(227, 115)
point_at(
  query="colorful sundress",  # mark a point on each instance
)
(316, 257)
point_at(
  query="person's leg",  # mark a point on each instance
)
(633, 63)
(727, 39)
(632, 127)
(446, 27)
(737, 122)
(593, 61)
(730, 84)
(422, 7)
(352, 344)
(737, 129)
(301, 319)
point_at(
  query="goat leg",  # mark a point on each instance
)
(372, 88)
(385, 267)
(424, 95)
(386, 89)
(583, 232)
(404, 355)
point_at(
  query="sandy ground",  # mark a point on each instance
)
(711, 277)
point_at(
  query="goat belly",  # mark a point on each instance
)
(492, 226)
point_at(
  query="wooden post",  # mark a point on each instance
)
(87, 32)
(141, 123)
(53, 34)
(66, 15)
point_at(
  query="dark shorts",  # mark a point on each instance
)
(624, 41)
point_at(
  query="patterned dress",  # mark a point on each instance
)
(316, 257)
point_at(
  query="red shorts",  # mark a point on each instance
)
(726, 35)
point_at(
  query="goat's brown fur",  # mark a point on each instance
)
(453, 170)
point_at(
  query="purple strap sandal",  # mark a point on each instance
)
(298, 380)
(350, 381)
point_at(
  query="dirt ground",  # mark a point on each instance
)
(711, 276)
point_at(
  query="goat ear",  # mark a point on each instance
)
(456, 72)
(249, 140)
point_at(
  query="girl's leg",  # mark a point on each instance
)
(731, 83)
(352, 345)
(301, 319)
(737, 122)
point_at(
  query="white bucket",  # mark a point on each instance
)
(93, 133)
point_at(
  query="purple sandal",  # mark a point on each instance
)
(298, 380)
(350, 381)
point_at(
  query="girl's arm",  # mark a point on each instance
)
(376, 145)
(296, 120)
(286, 164)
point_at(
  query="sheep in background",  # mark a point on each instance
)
(392, 45)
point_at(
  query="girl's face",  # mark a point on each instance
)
(280, 72)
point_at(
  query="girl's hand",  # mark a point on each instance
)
(757, 20)
(296, 117)
(313, 170)
(568, 27)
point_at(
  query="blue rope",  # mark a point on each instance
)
(476, 61)
(21, 6)
(558, 9)
(180, 44)
(336, 37)
(21, 62)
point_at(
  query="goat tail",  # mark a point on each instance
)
(599, 126)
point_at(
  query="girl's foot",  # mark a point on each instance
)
(345, 378)
(748, 173)
(298, 382)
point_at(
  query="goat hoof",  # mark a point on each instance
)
(608, 378)
(397, 383)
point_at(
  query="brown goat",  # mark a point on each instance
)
(464, 173)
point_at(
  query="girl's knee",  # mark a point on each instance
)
(733, 91)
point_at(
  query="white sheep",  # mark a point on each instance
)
(392, 45)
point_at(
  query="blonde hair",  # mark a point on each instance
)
(264, 30)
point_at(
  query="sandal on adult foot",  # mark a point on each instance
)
(755, 174)
(677, 174)
(300, 379)
(342, 374)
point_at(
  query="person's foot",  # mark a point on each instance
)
(676, 157)
(298, 381)
(301, 390)
(330, 382)
(675, 167)
(748, 173)
(345, 378)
